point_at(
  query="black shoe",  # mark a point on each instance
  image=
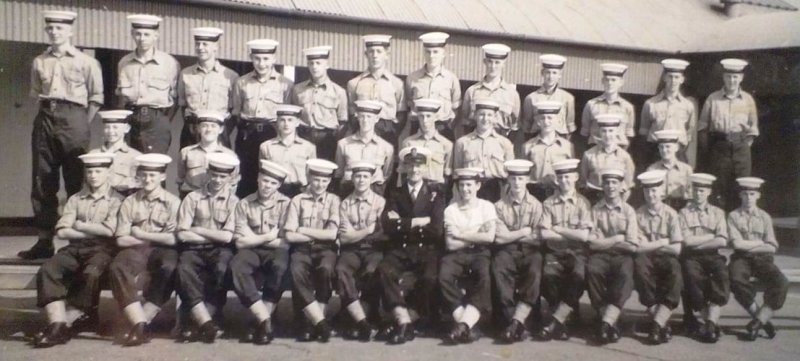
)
(471, 335)
(186, 333)
(86, 323)
(55, 333)
(752, 330)
(513, 332)
(264, 334)
(769, 328)
(691, 326)
(711, 332)
(249, 335)
(666, 333)
(558, 331)
(363, 331)
(401, 334)
(386, 332)
(602, 333)
(208, 332)
(456, 334)
(323, 331)
(137, 335)
(307, 333)
(42, 249)
(654, 337)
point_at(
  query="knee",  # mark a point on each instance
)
(92, 272)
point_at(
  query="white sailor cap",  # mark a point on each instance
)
(552, 61)
(272, 169)
(152, 162)
(288, 109)
(614, 69)
(222, 162)
(262, 46)
(144, 21)
(608, 120)
(94, 160)
(474, 173)
(496, 51)
(612, 173)
(59, 16)
(702, 179)
(376, 40)
(749, 183)
(414, 155)
(674, 65)
(115, 116)
(486, 103)
(434, 40)
(427, 105)
(566, 166)
(362, 166)
(548, 107)
(210, 116)
(369, 106)
(207, 34)
(518, 166)
(321, 167)
(317, 52)
(652, 178)
(732, 65)
(667, 135)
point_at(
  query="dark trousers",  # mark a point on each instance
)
(592, 195)
(467, 269)
(388, 130)
(355, 273)
(517, 273)
(658, 279)
(60, 135)
(609, 278)
(411, 273)
(130, 263)
(248, 140)
(291, 189)
(728, 161)
(74, 274)
(705, 279)
(312, 268)
(259, 269)
(150, 130)
(324, 139)
(491, 189)
(564, 277)
(744, 265)
(541, 191)
(201, 276)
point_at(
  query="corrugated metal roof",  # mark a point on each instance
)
(440, 13)
(407, 12)
(369, 9)
(750, 33)
(474, 13)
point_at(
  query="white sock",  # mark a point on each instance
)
(471, 316)
(135, 313)
(260, 311)
(200, 313)
(402, 316)
(562, 312)
(150, 311)
(662, 315)
(270, 307)
(323, 306)
(458, 313)
(522, 311)
(753, 309)
(356, 311)
(73, 314)
(610, 314)
(314, 313)
(765, 314)
(714, 312)
(56, 311)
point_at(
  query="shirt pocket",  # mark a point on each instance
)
(158, 84)
(329, 102)
(275, 95)
(221, 216)
(125, 86)
(159, 218)
(75, 77)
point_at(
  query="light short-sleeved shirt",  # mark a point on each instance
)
(566, 116)
(292, 154)
(487, 151)
(384, 87)
(596, 159)
(503, 93)
(201, 89)
(663, 222)
(150, 81)
(515, 214)
(72, 76)
(612, 220)
(157, 212)
(203, 209)
(735, 116)
(255, 98)
(260, 215)
(123, 169)
(100, 207)
(697, 221)
(308, 210)
(469, 219)
(543, 154)
(602, 105)
(572, 211)
(751, 226)
(439, 164)
(443, 85)
(360, 212)
(324, 105)
(663, 112)
(677, 178)
(355, 149)
(193, 167)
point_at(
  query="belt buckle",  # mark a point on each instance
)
(144, 111)
(52, 104)
(259, 127)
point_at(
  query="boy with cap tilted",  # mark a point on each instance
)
(312, 222)
(612, 244)
(289, 150)
(193, 167)
(657, 272)
(412, 219)
(262, 250)
(361, 241)
(68, 284)
(564, 124)
(485, 149)
(565, 228)
(324, 104)
(609, 102)
(146, 233)
(470, 224)
(68, 85)
(517, 262)
(364, 146)
(147, 84)
(434, 81)
(439, 163)
(207, 85)
(677, 174)
(705, 274)
(123, 170)
(754, 244)
(256, 96)
(545, 149)
(377, 83)
(606, 154)
(204, 231)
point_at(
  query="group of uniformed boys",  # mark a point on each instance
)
(480, 229)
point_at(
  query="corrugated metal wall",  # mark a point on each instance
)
(102, 24)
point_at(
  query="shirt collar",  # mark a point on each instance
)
(564, 198)
(556, 140)
(159, 194)
(501, 84)
(475, 134)
(604, 97)
(368, 197)
(215, 68)
(434, 74)
(382, 73)
(737, 95)
(100, 193)
(153, 55)
(222, 194)
(272, 199)
(664, 96)
(372, 139)
(324, 83)
(696, 207)
(656, 211)
(310, 196)
(525, 198)
(122, 147)
(543, 90)
(608, 206)
(272, 76)
(69, 50)
(666, 167)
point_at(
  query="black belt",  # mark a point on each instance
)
(727, 137)
(145, 110)
(256, 124)
(358, 246)
(699, 252)
(197, 247)
(53, 103)
(315, 245)
(518, 246)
